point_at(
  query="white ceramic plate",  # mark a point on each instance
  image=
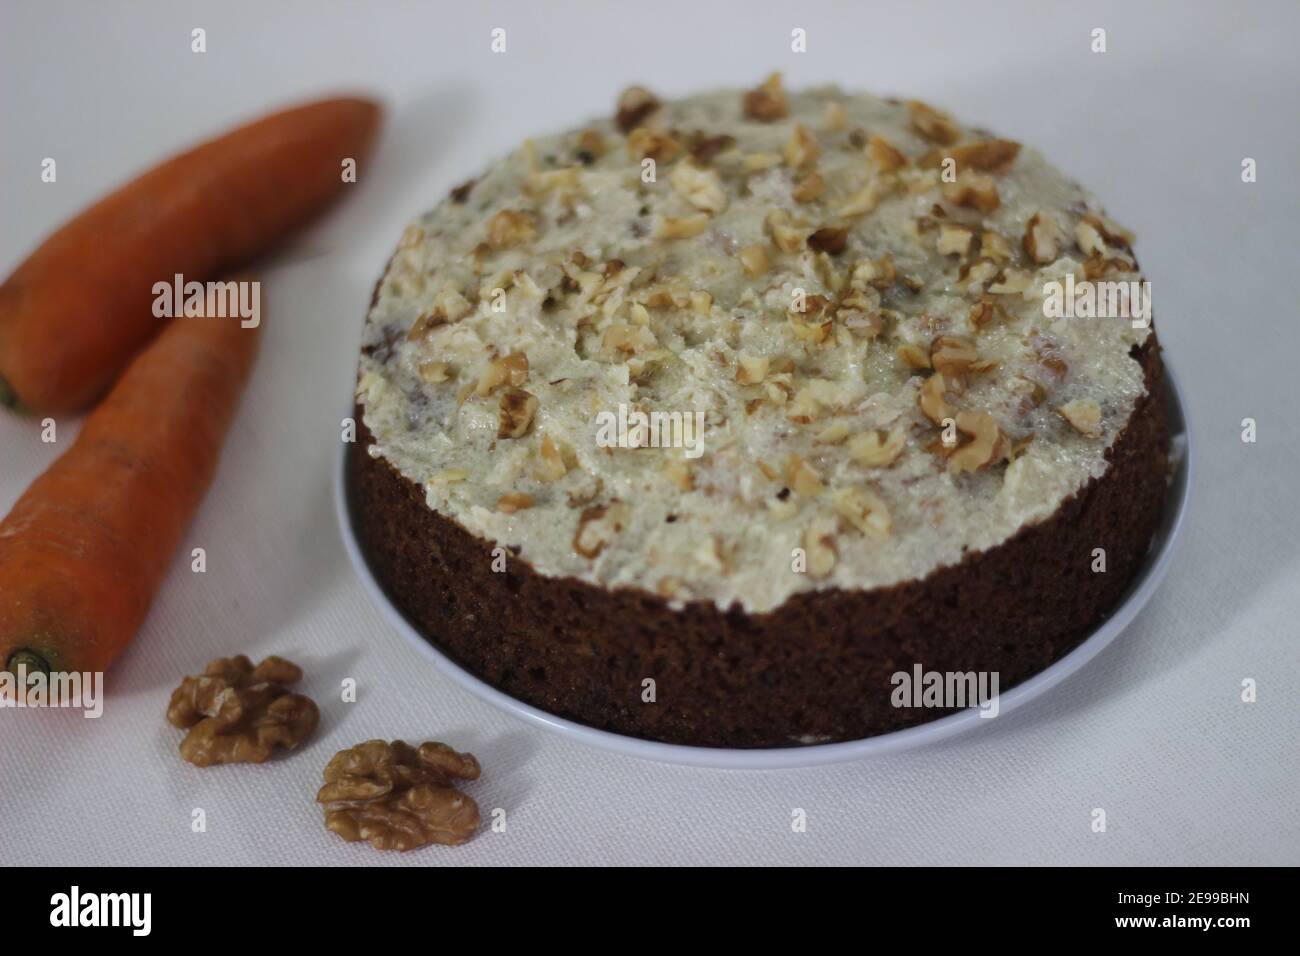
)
(1139, 592)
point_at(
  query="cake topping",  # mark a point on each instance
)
(800, 300)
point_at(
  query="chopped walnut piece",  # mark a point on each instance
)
(627, 339)
(553, 460)
(865, 510)
(813, 324)
(984, 312)
(875, 449)
(1049, 355)
(510, 227)
(564, 181)
(987, 446)
(449, 476)
(819, 545)
(659, 145)
(672, 588)
(802, 477)
(883, 155)
(683, 227)
(238, 713)
(1010, 282)
(954, 239)
(665, 298)
(995, 246)
(987, 155)
(869, 196)
(449, 306)
(1111, 232)
(460, 194)
(754, 259)
(513, 501)
(829, 239)
(1089, 239)
(913, 356)
(597, 527)
(1031, 393)
(452, 304)
(704, 148)
(802, 149)
(699, 186)
(861, 324)
(973, 191)
(934, 125)
(425, 323)
(931, 399)
(751, 369)
(810, 188)
(510, 369)
(517, 409)
(866, 325)
(679, 473)
(634, 107)
(592, 143)
(784, 236)
(1041, 241)
(953, 356)
(1096, 266)
(878, 273)
(977, 271)
(397, 797)
(833, 433)
(768, 102)
(434, 372)
(759, 162)
(1084, 415)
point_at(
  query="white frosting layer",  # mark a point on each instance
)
(789, 492)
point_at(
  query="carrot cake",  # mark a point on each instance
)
(703, 421)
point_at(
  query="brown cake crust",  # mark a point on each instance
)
(818, 667)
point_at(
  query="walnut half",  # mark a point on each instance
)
(238, 713)
(398, 797)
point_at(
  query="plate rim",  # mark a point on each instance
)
(1140, 591)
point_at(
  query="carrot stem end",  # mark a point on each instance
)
(27, 659)
(8, 397)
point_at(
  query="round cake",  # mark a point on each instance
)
(706, 421)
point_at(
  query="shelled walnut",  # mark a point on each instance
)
(398, 797)
(238, 713)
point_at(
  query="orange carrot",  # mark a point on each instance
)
(84, 549)
(73, 314)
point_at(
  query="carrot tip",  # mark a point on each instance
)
(27, 659)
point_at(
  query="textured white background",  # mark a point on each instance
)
(1153, 731)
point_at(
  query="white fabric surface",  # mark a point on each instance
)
(1154, 731)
